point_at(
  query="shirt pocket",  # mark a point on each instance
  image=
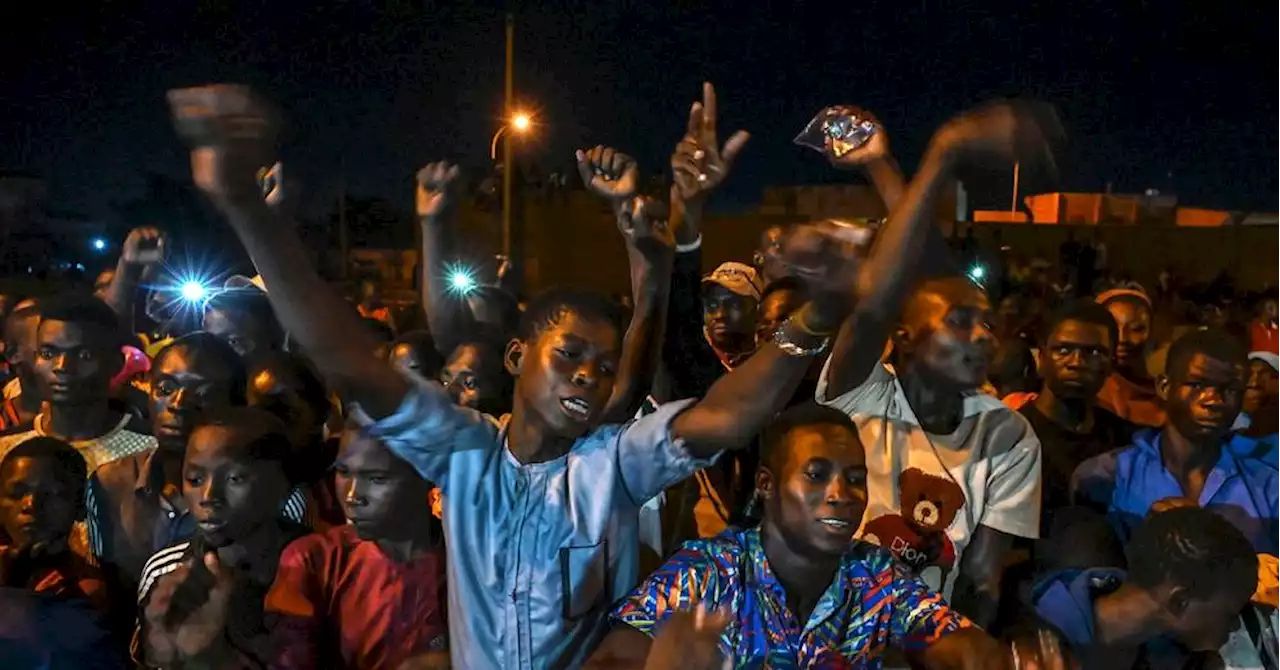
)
(584, 578)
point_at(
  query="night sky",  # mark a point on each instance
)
(1176, 96)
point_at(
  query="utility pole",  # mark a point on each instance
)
(507, 108)
(1013, 206)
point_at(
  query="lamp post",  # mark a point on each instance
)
(508, 101)
(516, 123)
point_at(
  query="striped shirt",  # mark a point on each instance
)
(245, 620)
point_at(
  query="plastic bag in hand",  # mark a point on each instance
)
(837, 130)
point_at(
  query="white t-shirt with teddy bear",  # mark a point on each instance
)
(927, 493)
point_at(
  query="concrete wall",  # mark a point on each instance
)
(570, 238)
(1249, 253)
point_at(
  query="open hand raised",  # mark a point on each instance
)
(699, 163)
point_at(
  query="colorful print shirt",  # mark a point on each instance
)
(874, 603)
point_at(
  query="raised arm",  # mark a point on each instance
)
(436, 204)
(232, 135)
(143, 250)
(875, 159)
(698, 166)
(743, 401)
(614, 176)
(1003, 131)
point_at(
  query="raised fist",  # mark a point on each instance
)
(437, 189)
(608, 172)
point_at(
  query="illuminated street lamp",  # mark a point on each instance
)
(518, 122)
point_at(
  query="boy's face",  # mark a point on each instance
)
(229, 493)
(1205, 625)
(1134, 324)
(1076, 359)
(73, 366)
(951, 338)
(566, 374)
(1203, 398)
(818, 493)
(240, 331)
(473, 377)
(183, 384)
(1262, 388)
(409, 358)
(382, 496)
(38, 504)
(729, 318)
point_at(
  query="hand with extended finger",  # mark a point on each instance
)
(438, 185)
(700, 163)
(608, 172)
(232, 135)
(645, 223)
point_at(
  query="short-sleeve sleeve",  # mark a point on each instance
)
(874, 392)
(1094, 482)
(650, 459)
(428, 429)
(920, 616)
(1013, 488)
(691, 576)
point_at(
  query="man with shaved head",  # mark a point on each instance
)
(953, 476)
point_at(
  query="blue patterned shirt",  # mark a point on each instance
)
(874, 603)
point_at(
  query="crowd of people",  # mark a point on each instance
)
(843, 452)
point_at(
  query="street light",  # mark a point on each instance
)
(520, 123)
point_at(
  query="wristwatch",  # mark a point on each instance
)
(794, 343)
